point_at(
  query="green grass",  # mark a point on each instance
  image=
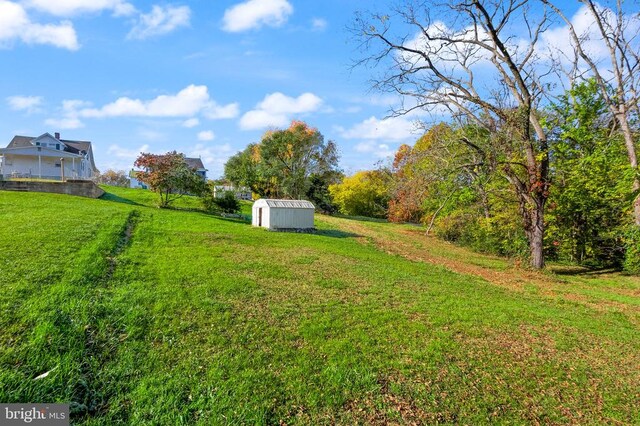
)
(149, 316)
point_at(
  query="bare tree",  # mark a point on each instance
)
(615, 29)
(113, 177)
(479, 63)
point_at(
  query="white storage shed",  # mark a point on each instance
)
(283, 214)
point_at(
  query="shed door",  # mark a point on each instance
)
(260, 216)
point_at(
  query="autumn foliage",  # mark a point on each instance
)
(169, 176)
(286, 163)
(366, 193)
(113, 178)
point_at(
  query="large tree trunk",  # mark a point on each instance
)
(532, 212)
(536, 236)
(532, 197)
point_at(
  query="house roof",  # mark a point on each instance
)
(77, 145)
(285, 204)
(73, 147)
(195, 163)
(20, 142)
(80, 146)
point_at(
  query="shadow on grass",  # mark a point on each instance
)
(335, 233)
(583, 271)
(362, 218)
(244, 219)
(112, 197)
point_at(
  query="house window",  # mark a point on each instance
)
(37, 143)
(58, 146)
(57, 164)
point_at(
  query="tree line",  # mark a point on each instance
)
(451, 182)
(293, 163)
(550, 169)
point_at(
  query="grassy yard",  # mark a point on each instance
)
(148, 316)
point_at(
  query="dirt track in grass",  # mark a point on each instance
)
(575, 285)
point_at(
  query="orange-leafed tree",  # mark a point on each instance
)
(113, 177)
(169, 176)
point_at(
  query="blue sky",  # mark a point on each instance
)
(202, 77)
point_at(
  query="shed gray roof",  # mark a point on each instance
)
(286, 204)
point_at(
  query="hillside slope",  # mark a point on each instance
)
(141, 315)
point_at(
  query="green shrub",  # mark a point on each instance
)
(228, 203)
(500, 234)
(632, 253)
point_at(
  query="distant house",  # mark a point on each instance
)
(283, 214)
(241, 193)
(134, 182)
(47, 157)
(194, 163)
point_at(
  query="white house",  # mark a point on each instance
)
(241, 193)
(47, 157)
(196, 163)
(283, 214)
(134, 182)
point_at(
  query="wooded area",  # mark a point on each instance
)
(538, 154)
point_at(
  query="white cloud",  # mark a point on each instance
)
(319, 24)
(64, 123)
(554, 43)
(191, 123)
(279, 103)
(69, 115)
(390, 129)
(276, 109)
(206, 135)
(380, 150)
(72, 105)
(190, 101)
(213, 157)
(447, 56)
(257, 119)
(254, 14)
(24, 103)
(161, 20)
(126, 154)
(15, 24)
(218, 112)
(187, 103)
(560, 43)
(151, 135)
(119, 157)
(76, 7)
